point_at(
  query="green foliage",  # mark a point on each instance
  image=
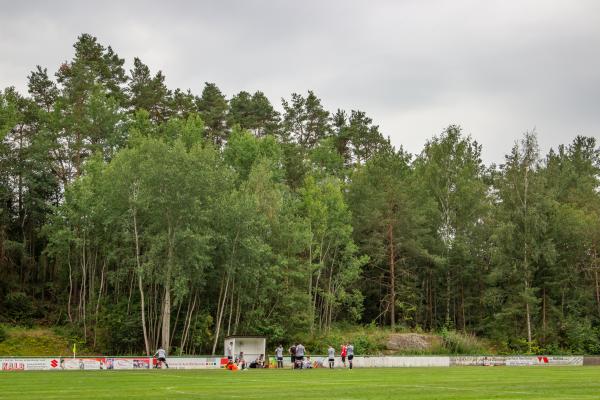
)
(121, 330)
(18, 308)
(213, 108)
(253, 112)
(136, 215)
(460, 343)
(3, 333)
(244, 150)
(366, 340)
(35, 342)
(581, 337)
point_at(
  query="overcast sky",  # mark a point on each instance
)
(497, 68)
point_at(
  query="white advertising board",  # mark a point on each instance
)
(515, 361)
(28, 364)
(397, 362)
(484, 361)
(194, 363)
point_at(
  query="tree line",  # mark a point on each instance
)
(140, 216)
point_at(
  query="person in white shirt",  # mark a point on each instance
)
(279, 355)
(350, 350)
(162, 357)
(331, 356)
(308, 363)
(300, 354)
(229, 351)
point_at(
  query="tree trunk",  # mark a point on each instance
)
(230, 308)
(98, 302)
(187, 324)
(220, 312)
(70, 286)
(597, 290)
(528, 325)
(544, 314)
(166, 306)
(311, 310)
(140, 284)
(238, 314)
(448, 292)
(392, 278)
(462, 306)
(166, 317)
(176, 320)
(82, 288)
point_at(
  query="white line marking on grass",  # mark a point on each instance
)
(481, 389)
(467, 389)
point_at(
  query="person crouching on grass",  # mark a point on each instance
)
(308, 363)
(162, 358)
(241, 362)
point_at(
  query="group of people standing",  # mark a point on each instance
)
(297, 353)
(347, 350)
(296, 356)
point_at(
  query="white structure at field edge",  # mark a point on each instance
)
(252, 346)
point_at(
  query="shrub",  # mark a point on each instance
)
(581, 337)
(19, 308)
(458, 343)
(3, 333)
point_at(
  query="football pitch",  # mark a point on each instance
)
(385, 383)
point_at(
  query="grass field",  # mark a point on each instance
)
(390, 383)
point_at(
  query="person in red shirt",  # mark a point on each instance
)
(343, 353)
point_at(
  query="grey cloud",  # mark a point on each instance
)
(498, 68)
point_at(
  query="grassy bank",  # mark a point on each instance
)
(21, 342)
(41, 341)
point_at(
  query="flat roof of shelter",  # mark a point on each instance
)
(245, 336)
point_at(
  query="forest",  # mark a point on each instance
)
(139, 215)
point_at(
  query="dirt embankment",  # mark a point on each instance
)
(412, 343)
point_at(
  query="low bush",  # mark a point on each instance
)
(3, 333)
(460, 343)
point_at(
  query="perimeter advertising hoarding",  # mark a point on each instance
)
(194, 363)
(128, 363)
(29, 364)
(395, 362)
(515, 361)
(82, 363)
(484, 361)
(543, 360)
(100, 363)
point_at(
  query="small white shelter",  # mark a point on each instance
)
(251, 346)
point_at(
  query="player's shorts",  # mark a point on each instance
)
(332, 360)
(343, 358)
(279, 358)
(292, 359)
(350, 357)
(162, 359)
(299, 358)
(230, 358)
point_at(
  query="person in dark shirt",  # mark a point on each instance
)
(292, 351)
